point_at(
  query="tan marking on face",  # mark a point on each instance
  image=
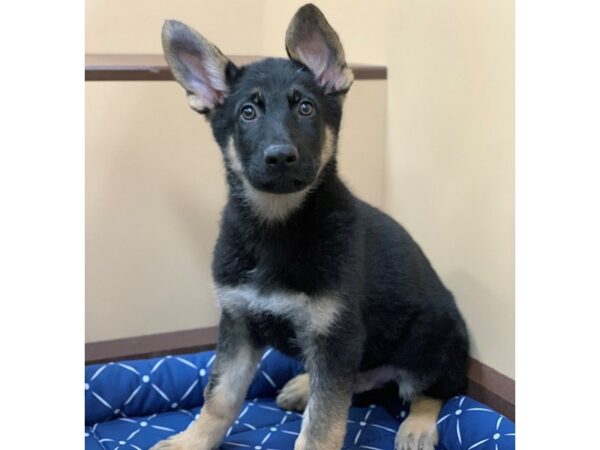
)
(419, 430)
(272, 207)
(256, 95)
(328, 148)
(268, 206)
(234, 159)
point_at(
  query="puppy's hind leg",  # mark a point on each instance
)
(419, 430)
(294, 395)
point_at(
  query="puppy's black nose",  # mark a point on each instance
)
(282, 155)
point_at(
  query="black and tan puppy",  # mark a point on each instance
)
(301, 264)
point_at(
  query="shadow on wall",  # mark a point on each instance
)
(481, 309)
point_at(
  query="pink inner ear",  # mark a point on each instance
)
(331, 78)
(315, 54)
(204, 79)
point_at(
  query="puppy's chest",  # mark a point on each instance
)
(285, 262)
(282, 309)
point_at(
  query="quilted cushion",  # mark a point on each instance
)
(134, 404)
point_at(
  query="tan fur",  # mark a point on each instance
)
(314, 315)
(408, 385)
(268, 206)
(233, 159)
(419, 430)
(204, 433)
(274, 207)
(328, 148)
(277, 207)
(294, 395)
(196, 103)
(301, 441)
(331, 440)
(221, 407)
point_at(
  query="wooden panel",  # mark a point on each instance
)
(177, 342)
(154, 68)
(485, 384)
(492, 388)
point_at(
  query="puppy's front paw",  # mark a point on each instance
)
(294, 395)
(176, 442)
(417, 433)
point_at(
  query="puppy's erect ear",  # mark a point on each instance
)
(311, 41)
(198, 65)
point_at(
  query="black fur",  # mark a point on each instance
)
(327, 278)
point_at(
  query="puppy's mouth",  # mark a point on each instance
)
(281, 185)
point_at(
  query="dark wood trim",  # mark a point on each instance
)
(149, 346)
(485, 384)
(489, 386)
(154, 68)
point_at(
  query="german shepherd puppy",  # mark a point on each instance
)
(303, 265)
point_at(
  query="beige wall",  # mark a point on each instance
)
(450, 166)
(449, 150)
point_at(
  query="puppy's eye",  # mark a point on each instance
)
(306, 108)
(248, 112)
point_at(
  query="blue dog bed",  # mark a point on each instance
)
(134, 404)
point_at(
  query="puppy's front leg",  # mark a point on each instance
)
(332, 372)
(325, 416)
(233, 370)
